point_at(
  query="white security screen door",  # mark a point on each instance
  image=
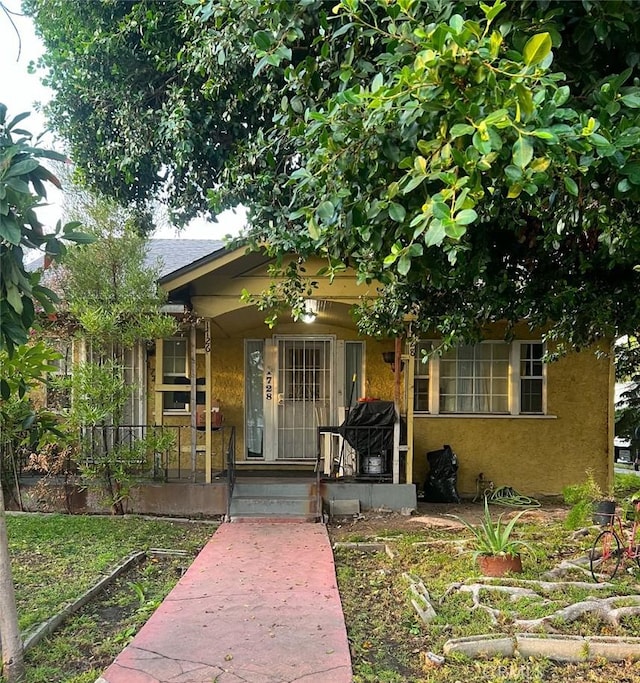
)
(305, 382)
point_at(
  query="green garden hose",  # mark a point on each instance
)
(505, 495)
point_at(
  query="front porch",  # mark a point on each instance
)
(174, 483)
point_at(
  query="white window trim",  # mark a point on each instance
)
(514, 388)
(174, 411)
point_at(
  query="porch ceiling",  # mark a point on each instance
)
(242, 318)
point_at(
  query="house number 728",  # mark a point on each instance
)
(268, 391)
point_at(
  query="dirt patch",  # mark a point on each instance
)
(433, 515)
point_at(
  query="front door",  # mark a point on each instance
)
(304, 391)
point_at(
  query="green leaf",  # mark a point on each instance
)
(412, 184)
(460, 129)
(79, 237)
(263, 40)
(544, 134)
(631, 100)
(420, 165)
(571, 186)
(22, 167)
(5, 390)
(537, 48)
(325, 211)
(397, 212)
(522, 152)
(10, 230)
(514, 190)
(465, 217)
(441, 211)
(404, 264)
(377, 82)
(14, 299)
(314, 231)
(18, 185)
(435, 234)
(496, 117)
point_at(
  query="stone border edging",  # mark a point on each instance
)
(572, 649)
(50, 625)
(365, 547)
(45, 628)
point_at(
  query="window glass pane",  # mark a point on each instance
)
(474, 379)
(448, 368)
(447, 404)
(421, 395)
(465, 404)
(421, 377)
(254, 406)
(531, 377)
(174, 371)
(174, 359)
(500, 351)
(531, 395)
(353, 361)
(500, 368)
(500, 404)
(500, 386)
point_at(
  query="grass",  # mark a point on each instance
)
(388, 641)
(57, 557)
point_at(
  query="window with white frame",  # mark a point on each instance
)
(531, 377)
(475, 379)
(421, 377)
(491, 378)
(175, 357)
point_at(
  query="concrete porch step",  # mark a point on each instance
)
(286, 500)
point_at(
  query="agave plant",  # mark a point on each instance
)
(494, 538)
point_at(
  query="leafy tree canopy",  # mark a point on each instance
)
(23, 182)
(479, 160)
(109, 288)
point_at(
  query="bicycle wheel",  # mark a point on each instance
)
(605, 556)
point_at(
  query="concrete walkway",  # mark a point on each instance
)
(260, 604)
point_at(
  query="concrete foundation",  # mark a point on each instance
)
(183, 499)
(371, 496)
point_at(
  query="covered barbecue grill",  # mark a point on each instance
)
(368, 429)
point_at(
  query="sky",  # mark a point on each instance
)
(22, 91)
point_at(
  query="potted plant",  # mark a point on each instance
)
(588, 500)
(496, 551)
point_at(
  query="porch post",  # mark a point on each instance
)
(159, 396)
(410, 408)
(192, 399)
(396, 403)
(207, 399)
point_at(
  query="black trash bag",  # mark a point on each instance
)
(441, 481)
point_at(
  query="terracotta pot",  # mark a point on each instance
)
(499, 565)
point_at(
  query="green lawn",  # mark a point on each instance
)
(388, 640)
(56, 557)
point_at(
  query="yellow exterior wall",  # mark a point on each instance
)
(537, 455)
(534, 455)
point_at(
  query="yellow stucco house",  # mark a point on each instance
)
(246, 402)
(264, 393)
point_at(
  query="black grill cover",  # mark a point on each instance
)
(370, 414)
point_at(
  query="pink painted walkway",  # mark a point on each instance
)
(260, 604)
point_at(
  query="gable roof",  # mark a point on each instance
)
(175, 254)
(170, 254)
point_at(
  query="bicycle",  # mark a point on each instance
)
(612, 545)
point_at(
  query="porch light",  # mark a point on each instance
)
(310, 311)
(390, 358)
